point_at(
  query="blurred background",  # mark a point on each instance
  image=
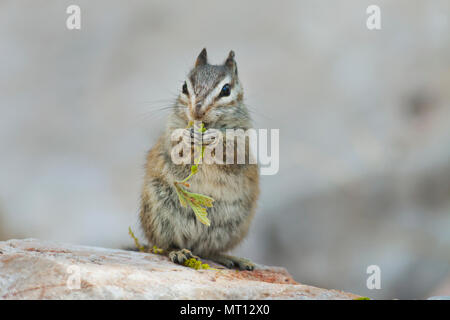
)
(364, 119)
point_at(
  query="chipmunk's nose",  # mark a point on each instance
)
(198, 113)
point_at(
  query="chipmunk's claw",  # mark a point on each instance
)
(180, 256)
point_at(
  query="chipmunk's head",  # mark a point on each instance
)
(212, 92)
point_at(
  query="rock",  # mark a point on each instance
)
(34, 269)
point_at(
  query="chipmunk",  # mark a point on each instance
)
(213, 95)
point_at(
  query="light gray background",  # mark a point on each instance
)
(364, 121)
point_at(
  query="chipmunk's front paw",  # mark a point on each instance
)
(180, 256)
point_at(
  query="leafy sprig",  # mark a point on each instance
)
(198, 202)
(140, 247)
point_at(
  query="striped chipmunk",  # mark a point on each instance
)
(212, 95)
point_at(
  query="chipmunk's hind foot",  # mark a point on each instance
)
(180, 256)
(231, 262)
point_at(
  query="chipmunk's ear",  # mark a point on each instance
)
(230, 62)
(202, 58)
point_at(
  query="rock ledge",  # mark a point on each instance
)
(35, 269)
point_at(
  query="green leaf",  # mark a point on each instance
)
(201, 199)
(180, 194)
(201, 214)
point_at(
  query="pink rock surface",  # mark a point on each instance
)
(35, 269)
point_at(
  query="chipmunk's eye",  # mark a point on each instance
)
(226, 90)
(185, 90)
